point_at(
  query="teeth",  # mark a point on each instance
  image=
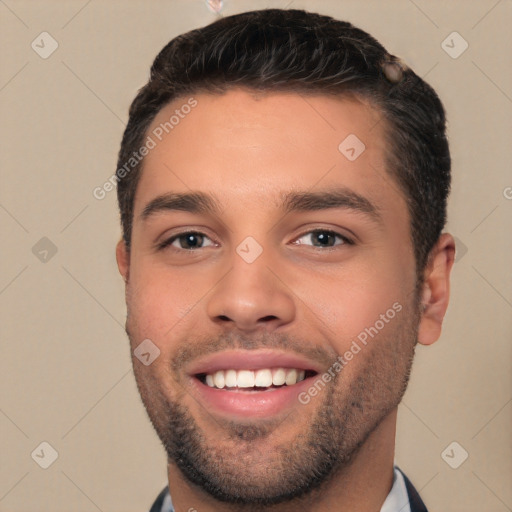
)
(218, 379)
(245, 379)
(262, 378)
(291, 377)
(279, 377)
(231, 379)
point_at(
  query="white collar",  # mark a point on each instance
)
(398, 497)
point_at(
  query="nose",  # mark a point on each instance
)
(251, 297)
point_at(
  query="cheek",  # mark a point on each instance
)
(347, 302)
(159, 301)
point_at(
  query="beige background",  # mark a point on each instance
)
(65, 369)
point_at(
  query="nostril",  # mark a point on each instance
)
(268, 318)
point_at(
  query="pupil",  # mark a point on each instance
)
(323, 238)
(192, 240)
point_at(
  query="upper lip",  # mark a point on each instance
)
(250, 360)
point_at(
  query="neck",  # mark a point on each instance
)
(360, 487)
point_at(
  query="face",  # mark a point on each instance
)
(275, 274)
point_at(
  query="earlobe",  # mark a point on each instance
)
(436, 289)
(123, 259)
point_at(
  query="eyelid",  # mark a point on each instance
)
(346, 240)
(169, 240)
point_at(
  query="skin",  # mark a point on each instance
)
(248, 150)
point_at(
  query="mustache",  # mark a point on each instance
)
(189, 350)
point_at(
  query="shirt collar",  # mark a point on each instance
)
(398, 497)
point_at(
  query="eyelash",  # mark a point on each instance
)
(168, 243)
(345, 240)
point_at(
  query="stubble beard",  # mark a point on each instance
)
(226, 461)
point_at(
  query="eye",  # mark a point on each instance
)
(189, 241)
(323, 238)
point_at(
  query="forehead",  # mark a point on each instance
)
(253, 148)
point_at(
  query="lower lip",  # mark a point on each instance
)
(253, 404)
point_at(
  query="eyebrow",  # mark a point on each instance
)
(193, 202)
(199, 202)
(328, 199)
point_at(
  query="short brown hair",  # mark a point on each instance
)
(294, 50)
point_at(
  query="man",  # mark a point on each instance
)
(282, 188)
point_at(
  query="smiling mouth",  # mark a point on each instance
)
(262, 379)
(256, 384)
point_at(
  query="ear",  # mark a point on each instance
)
(436, 289)
(123, 259)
